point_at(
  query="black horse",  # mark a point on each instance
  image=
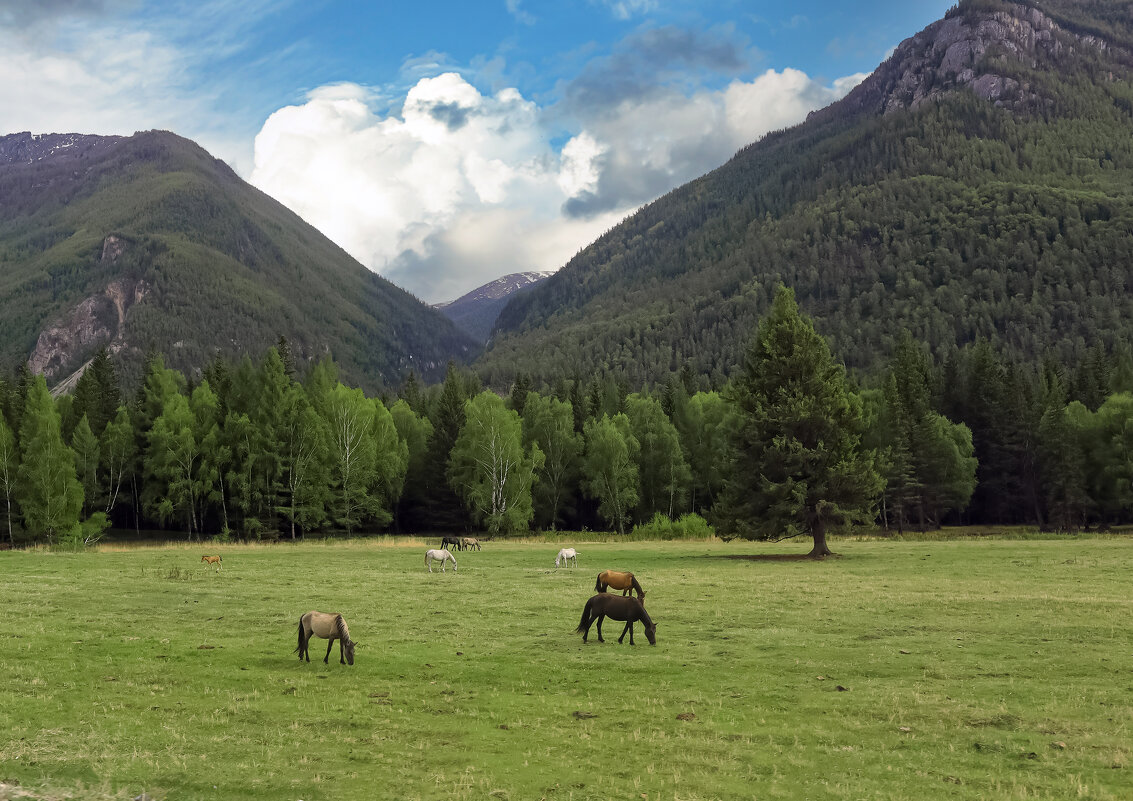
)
(616, 607)
(453, 541)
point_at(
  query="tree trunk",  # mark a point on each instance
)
(820, 549)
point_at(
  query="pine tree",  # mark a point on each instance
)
(519, 389)
(799, 468)
(415, 432)
(444, 511)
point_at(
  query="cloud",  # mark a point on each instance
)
(27, 12)
(653, 58)
(514, 7)
(624, 9)
(86, 66)
(458, 187)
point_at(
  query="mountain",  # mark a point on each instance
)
(978, 185)
(475, 313)
(147, 242)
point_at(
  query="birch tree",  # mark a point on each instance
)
(610, 468)
(9, 465)
(116, 451)
(51, 497)
(489, 468)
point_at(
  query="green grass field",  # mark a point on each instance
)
(993, 669)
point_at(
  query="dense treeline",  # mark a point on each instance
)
(250, 451)
(959, 220)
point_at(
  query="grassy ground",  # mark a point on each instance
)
(994, 669)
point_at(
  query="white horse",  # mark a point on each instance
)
(434, 555)
(567, 555)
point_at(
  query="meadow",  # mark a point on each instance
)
(958, 669)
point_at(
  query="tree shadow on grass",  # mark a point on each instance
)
(768, 557)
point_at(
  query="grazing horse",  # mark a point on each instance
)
(619, 581)
(470, 543)
(439, 556)
(212, 560)
(568, 556)
(330, 627)
(616, 607)
(453, 541)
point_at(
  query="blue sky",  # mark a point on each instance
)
(446, 143)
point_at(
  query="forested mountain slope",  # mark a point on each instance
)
(148, 242)
(978, 185)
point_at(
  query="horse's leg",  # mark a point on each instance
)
(629, 628)
(342, 651)
(326, 659)
(600, 619)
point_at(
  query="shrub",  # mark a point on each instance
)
(687, 527)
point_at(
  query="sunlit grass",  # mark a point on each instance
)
(948, 669)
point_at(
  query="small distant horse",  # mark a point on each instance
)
(212, 560)
(616, 607)
(330, 627)
(568, 556)
(442, 556)
(619, 581)
(450, 541)
(469, 543)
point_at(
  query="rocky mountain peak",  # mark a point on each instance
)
(976, 47)
(29, 148)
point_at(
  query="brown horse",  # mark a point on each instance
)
(330, 627)
(619, 581)
(469, 543)
(212, 560)
(616, 607)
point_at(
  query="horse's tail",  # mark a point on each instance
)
(299, 647)
(598, 584)
(585, 616)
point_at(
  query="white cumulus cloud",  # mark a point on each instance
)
(458, 187)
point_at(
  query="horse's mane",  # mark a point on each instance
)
(340, 627)
(645, 619)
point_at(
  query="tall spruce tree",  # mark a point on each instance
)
(445, 508)
(799, 468)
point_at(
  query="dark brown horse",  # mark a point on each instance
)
(616, 607)
(619, 581)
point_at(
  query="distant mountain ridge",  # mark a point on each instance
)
(148, 242)
(979, 185)
(475, 313)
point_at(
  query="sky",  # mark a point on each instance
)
(445, 144)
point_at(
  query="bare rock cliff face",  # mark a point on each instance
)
(965, 51)
(96, 321)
